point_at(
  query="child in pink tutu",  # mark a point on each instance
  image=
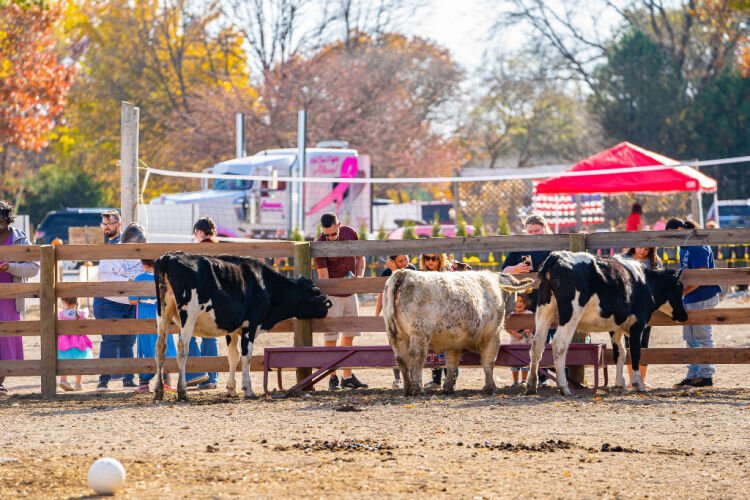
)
(72, 346)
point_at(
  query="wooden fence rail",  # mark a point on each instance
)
(49, 290)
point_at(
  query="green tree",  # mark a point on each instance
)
(437, 229)
(409, 232)
(461, 227)
(719, 120)
(54, 188)
(478, 224)
(381, 234)
(640, 94)
(503, 225)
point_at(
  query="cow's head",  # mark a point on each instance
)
(309, 302)
(668, 294)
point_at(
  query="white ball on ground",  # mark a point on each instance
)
(106, 476)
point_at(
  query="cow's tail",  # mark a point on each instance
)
(160, 283)
(390, 294)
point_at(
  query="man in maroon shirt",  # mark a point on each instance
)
(346, 305)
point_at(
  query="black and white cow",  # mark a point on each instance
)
(600, 294)
(225, 295)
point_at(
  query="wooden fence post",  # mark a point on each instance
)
(302, 327)
(47, 321)
(577, 244)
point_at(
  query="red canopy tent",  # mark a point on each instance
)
(624, 156)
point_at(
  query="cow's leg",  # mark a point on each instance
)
(161, 348)
(635, 356)
(162, 322)
(248, 337)
(451, 365)
(182, 354)
(233, 355)
(618, 340)
(401, 351)
(560, 342)
(545, 316)
(488, 355)
(418, 345)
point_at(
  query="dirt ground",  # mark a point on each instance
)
(667, 443)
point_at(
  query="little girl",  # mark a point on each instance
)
(72, 346)
(520, 337)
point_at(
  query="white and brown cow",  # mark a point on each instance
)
(225, 295)
(600, 294)
(447, 312)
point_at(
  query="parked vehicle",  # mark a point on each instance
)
(57, 222)
(732, 213)
(263, 209)
(390, 216)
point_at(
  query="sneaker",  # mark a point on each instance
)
(142, 389)
(169, 389)
(702, 382)
(78, 387)
(102, 387)
(685, 382)
(207, 385)
(197, 380)
(396, 384)
(333, 383)
(432, 385)
(129, 383)
(65, 386)
(3, 389)
(523, 383)
(353, 383)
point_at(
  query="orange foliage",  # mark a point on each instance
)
(33, 81)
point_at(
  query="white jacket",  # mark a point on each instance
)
(119, 270)
(21, 271)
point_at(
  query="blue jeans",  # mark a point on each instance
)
(700, 336)
(115, 346)
(209, 347)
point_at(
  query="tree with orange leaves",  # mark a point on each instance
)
(34, 82)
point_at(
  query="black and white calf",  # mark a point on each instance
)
(227, 296)
(600, 294)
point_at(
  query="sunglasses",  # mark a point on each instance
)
(331, 235)
(428, 258)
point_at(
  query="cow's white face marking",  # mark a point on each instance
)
(636, 268)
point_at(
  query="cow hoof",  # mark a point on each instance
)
(231, 394)
(530, 391)
(488, 390)
(448, 391)
(182, 396)
(158, 395)
(565, 391)
(251, 396)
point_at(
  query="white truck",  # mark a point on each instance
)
(263, 209)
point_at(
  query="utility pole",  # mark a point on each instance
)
(129, 163)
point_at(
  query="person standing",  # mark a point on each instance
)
(439, 263)
(117, 346)
(145, 308)
(11, 348)
(395, 262)
(204, 231)
(635, 219)
(697, 297)
(646, 256)
(343, 305)
(530, 262)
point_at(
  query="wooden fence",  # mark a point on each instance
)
(48, 290)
